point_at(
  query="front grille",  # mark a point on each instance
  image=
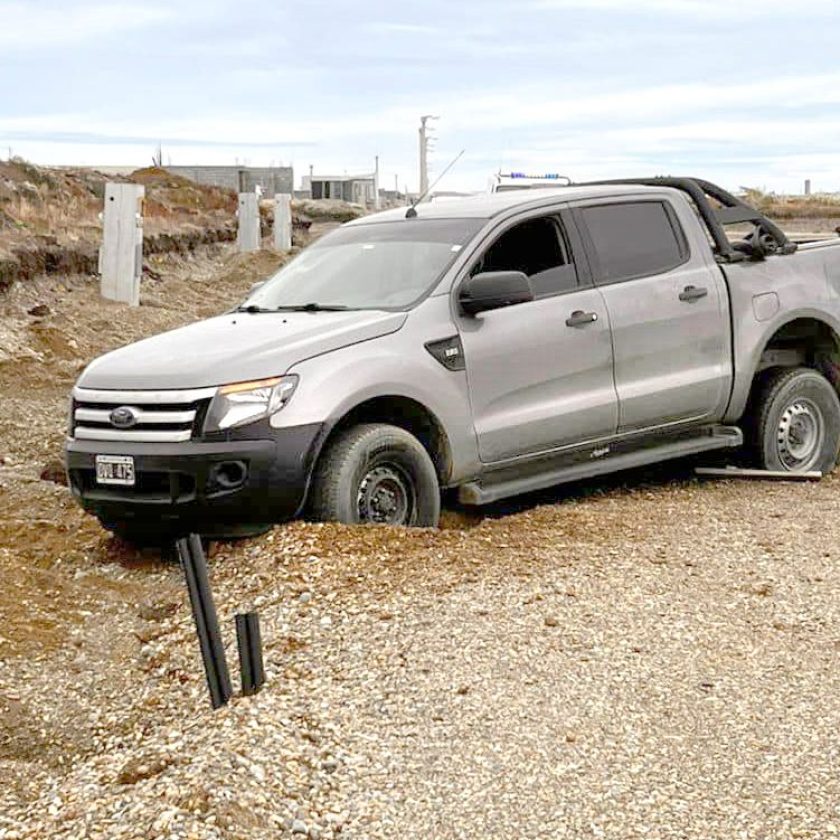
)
(165, 487)
(158, 416)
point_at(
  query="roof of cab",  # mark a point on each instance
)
(487, 205)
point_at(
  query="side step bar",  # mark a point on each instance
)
(485, 491)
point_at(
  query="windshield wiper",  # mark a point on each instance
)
(304, 307)
(313, 307)
(252, 307)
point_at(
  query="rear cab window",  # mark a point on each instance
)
(633, 239)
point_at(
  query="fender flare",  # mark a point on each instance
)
(742, 384)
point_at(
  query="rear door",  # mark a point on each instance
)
(668, 309)
(540, 373)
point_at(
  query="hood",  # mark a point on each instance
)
(234, 348)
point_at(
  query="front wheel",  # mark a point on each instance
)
(796, 422)
(376, 474)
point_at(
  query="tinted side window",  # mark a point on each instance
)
(538, 248)
(635, 239)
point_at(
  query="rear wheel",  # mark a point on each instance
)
(376, 474)
(796, 421)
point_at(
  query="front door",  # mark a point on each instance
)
(540, 373)
(668, 311)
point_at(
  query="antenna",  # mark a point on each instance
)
(411, 212)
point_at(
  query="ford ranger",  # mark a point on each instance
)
(496, 344)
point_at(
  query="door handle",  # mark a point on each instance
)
(690, 293)
(578, 318)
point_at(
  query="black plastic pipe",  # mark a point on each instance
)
(194, 564)
(249, 641)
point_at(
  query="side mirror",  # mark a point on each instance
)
(493, 290)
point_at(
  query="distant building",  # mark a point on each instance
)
(357, 189)
(270, 179)
(392, 198)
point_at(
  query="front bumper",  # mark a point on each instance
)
(186, 485)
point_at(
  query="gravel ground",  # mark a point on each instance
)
(648, 656)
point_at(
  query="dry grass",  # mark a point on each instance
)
(819, 206)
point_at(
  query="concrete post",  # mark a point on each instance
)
(282, 221)
(248, 215)
(807, 186)
(121, 255)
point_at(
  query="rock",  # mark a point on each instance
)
(142, 767)
(54, 471)
(149, 611)
(299, 827)
(39, 310)
(551, 621)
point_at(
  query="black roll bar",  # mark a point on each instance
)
(731, 211)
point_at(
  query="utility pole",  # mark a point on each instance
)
(424, 152)
(376, 185)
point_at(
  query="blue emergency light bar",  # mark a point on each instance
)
(549, 176)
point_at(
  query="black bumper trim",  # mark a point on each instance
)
(176, 483)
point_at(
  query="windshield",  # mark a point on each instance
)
(383, 265)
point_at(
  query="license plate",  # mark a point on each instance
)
(115, 469)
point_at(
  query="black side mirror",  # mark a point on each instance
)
(493, 290)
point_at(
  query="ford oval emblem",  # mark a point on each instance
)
(123, 417)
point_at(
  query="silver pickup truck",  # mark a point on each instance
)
(497, 345)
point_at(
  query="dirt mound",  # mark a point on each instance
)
(170, 196)
(50, 218)
(327, 210)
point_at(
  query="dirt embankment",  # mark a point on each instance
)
(49, 218)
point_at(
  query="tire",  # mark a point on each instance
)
(795, 421)
(376, 474)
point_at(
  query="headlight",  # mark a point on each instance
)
(245, 402)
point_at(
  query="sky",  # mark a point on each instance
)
(742, 92)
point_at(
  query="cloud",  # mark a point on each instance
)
(675, 126)
(724, 10)
(396, 27)
(33, 26)
(522, 108)
(744, 90)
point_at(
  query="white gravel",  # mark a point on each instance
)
(659, 662)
